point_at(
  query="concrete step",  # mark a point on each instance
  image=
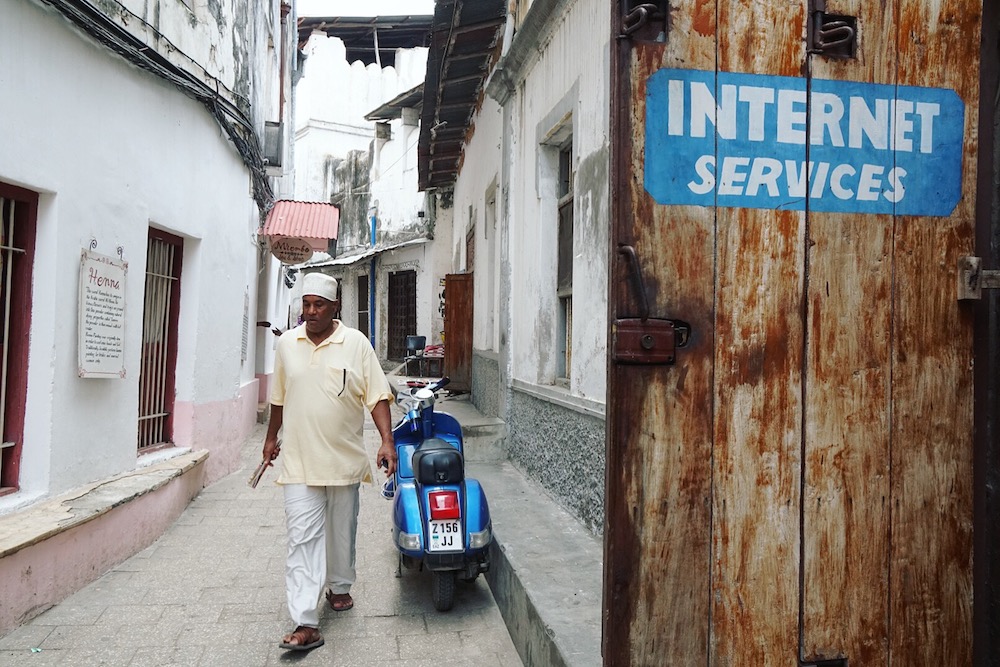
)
(546, 571)
(485, 437)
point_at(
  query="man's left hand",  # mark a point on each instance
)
(386, 453)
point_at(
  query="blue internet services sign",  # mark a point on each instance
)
(747, 141)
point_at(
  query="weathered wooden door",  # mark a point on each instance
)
(458, 304)
(797, 487)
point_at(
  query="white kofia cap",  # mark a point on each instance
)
(320, 284)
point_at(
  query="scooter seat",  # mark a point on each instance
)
(437, 462)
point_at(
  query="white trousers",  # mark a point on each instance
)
(322, 524)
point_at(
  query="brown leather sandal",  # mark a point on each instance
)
(303, 638)
(340, 601)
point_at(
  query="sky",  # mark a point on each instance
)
(364, 7)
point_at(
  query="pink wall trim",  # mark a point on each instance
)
(264, 387)
(220, 427)
(43, 574)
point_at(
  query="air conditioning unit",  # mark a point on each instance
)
(273, 143)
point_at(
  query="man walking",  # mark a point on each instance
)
(325, 376)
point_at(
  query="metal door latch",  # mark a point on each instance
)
(831, 35)
(645, 339)
(973, 278)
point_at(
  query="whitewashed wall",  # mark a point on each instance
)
(114, 150)
(394, 176)
(477, 202)
(566, 79)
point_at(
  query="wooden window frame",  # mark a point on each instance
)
(19, 327)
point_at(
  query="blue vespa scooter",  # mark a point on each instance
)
(441, 520)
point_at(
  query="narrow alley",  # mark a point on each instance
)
(211, 591)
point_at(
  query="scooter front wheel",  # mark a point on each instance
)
(444, 589)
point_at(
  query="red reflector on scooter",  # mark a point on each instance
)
(444, 505)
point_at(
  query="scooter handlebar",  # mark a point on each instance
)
(440, 384)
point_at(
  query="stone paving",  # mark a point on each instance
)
(211, 591)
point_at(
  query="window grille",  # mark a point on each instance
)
(8, 253)
(564, 263)
(159, 344)
(18, 210)
(244, 346)
(402, 312)
(363, 305)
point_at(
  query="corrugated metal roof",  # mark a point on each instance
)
(302, 219)
(341, 261)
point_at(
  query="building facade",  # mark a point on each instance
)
(133, 181)
(529, 198)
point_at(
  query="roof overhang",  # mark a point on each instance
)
(315, 222)
(464, 45)
(393, 109)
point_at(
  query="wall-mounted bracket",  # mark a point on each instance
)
(644, 21)
(973, 278)
(831, 35)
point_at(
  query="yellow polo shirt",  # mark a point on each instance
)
(325, 391)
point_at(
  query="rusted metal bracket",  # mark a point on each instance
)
(831, 35)
(644, 339)
(649, 15)
(973, 278)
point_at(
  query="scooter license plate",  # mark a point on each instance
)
(446, 535)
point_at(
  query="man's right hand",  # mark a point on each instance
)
(271, 449)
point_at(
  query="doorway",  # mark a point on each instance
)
(402, 312)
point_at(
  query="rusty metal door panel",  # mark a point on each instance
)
(758, 383)
(931, 461)
(658, 519)
(847, 400)
(797, 487)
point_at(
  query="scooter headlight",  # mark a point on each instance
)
(408, 541)
(480, 539)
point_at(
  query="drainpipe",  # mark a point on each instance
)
(371, 287)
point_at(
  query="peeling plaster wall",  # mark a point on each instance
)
(566, 85)
(209, 39)
(349, 178)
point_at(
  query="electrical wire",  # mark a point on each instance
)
(233, 120)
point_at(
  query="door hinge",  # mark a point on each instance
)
(831, 35)
(973, 278)
(645, 339)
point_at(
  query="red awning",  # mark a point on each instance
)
(316, 222)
